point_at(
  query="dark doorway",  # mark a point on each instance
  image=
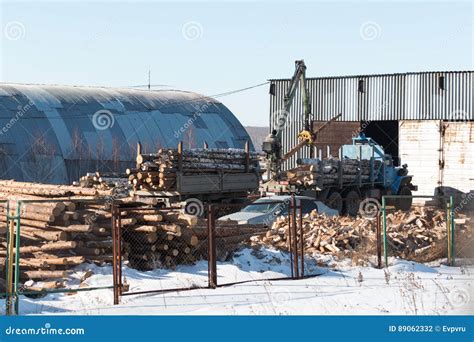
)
(385, 133)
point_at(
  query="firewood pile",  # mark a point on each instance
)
(418, 235)
(165, 238)
(326, 172)
(158, 171)
(321, 234)
(103, 181)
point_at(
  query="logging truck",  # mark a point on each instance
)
(363, 169)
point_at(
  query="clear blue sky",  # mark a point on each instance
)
(229, 45)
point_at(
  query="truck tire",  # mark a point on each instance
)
(352, 203)
(334, 201)
(403, 203)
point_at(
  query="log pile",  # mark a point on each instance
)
(417, 235)
(103, 181)
(57, 236)
(158, 171)
(165, 238)
(327, 172)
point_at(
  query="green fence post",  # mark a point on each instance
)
(7, 262)
(448, 231)
(453, 228)
(384, 226)
(17, 259)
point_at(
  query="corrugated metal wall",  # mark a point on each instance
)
(409, 96)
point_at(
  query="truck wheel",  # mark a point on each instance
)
(352, 203)
(334, 201)
(404, 203)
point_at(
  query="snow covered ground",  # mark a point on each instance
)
(339, 289)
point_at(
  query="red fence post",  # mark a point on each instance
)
(211, 250)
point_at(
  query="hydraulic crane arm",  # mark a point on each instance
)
(304, 140)
(299, 78)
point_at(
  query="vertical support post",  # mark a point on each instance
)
(448, 230)
(9, 268)
(180, 156)
(384, 227)
(453, 232)
(301, 241)
(295, 242)
(290, 233)
(379, 241)
(139, 152)
(114, 255)
(17, 259)
(211, 250)
(117, 253)
(247, 156)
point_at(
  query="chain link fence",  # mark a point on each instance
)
(162, 249)
(57, 246)
(425, 232)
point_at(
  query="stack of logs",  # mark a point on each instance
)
(66, 226)
(326, 172)
(56, 236)
(102, 181)
(158, 171)
(165, 238)
(416, 235)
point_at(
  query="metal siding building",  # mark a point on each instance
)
(49, 134)
(429, 116)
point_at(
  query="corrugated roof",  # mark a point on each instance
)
(55, 134)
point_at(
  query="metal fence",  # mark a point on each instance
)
(152, 243)
(425, 232)
(51, 246)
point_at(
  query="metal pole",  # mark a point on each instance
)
(379, 242)
(17, 259)
(9, 263)
(290, 208)
(301, 241)
(114, 253)
(384, 227)
(453, 231)
(119, 251)
(211, 248)
(295, 242)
